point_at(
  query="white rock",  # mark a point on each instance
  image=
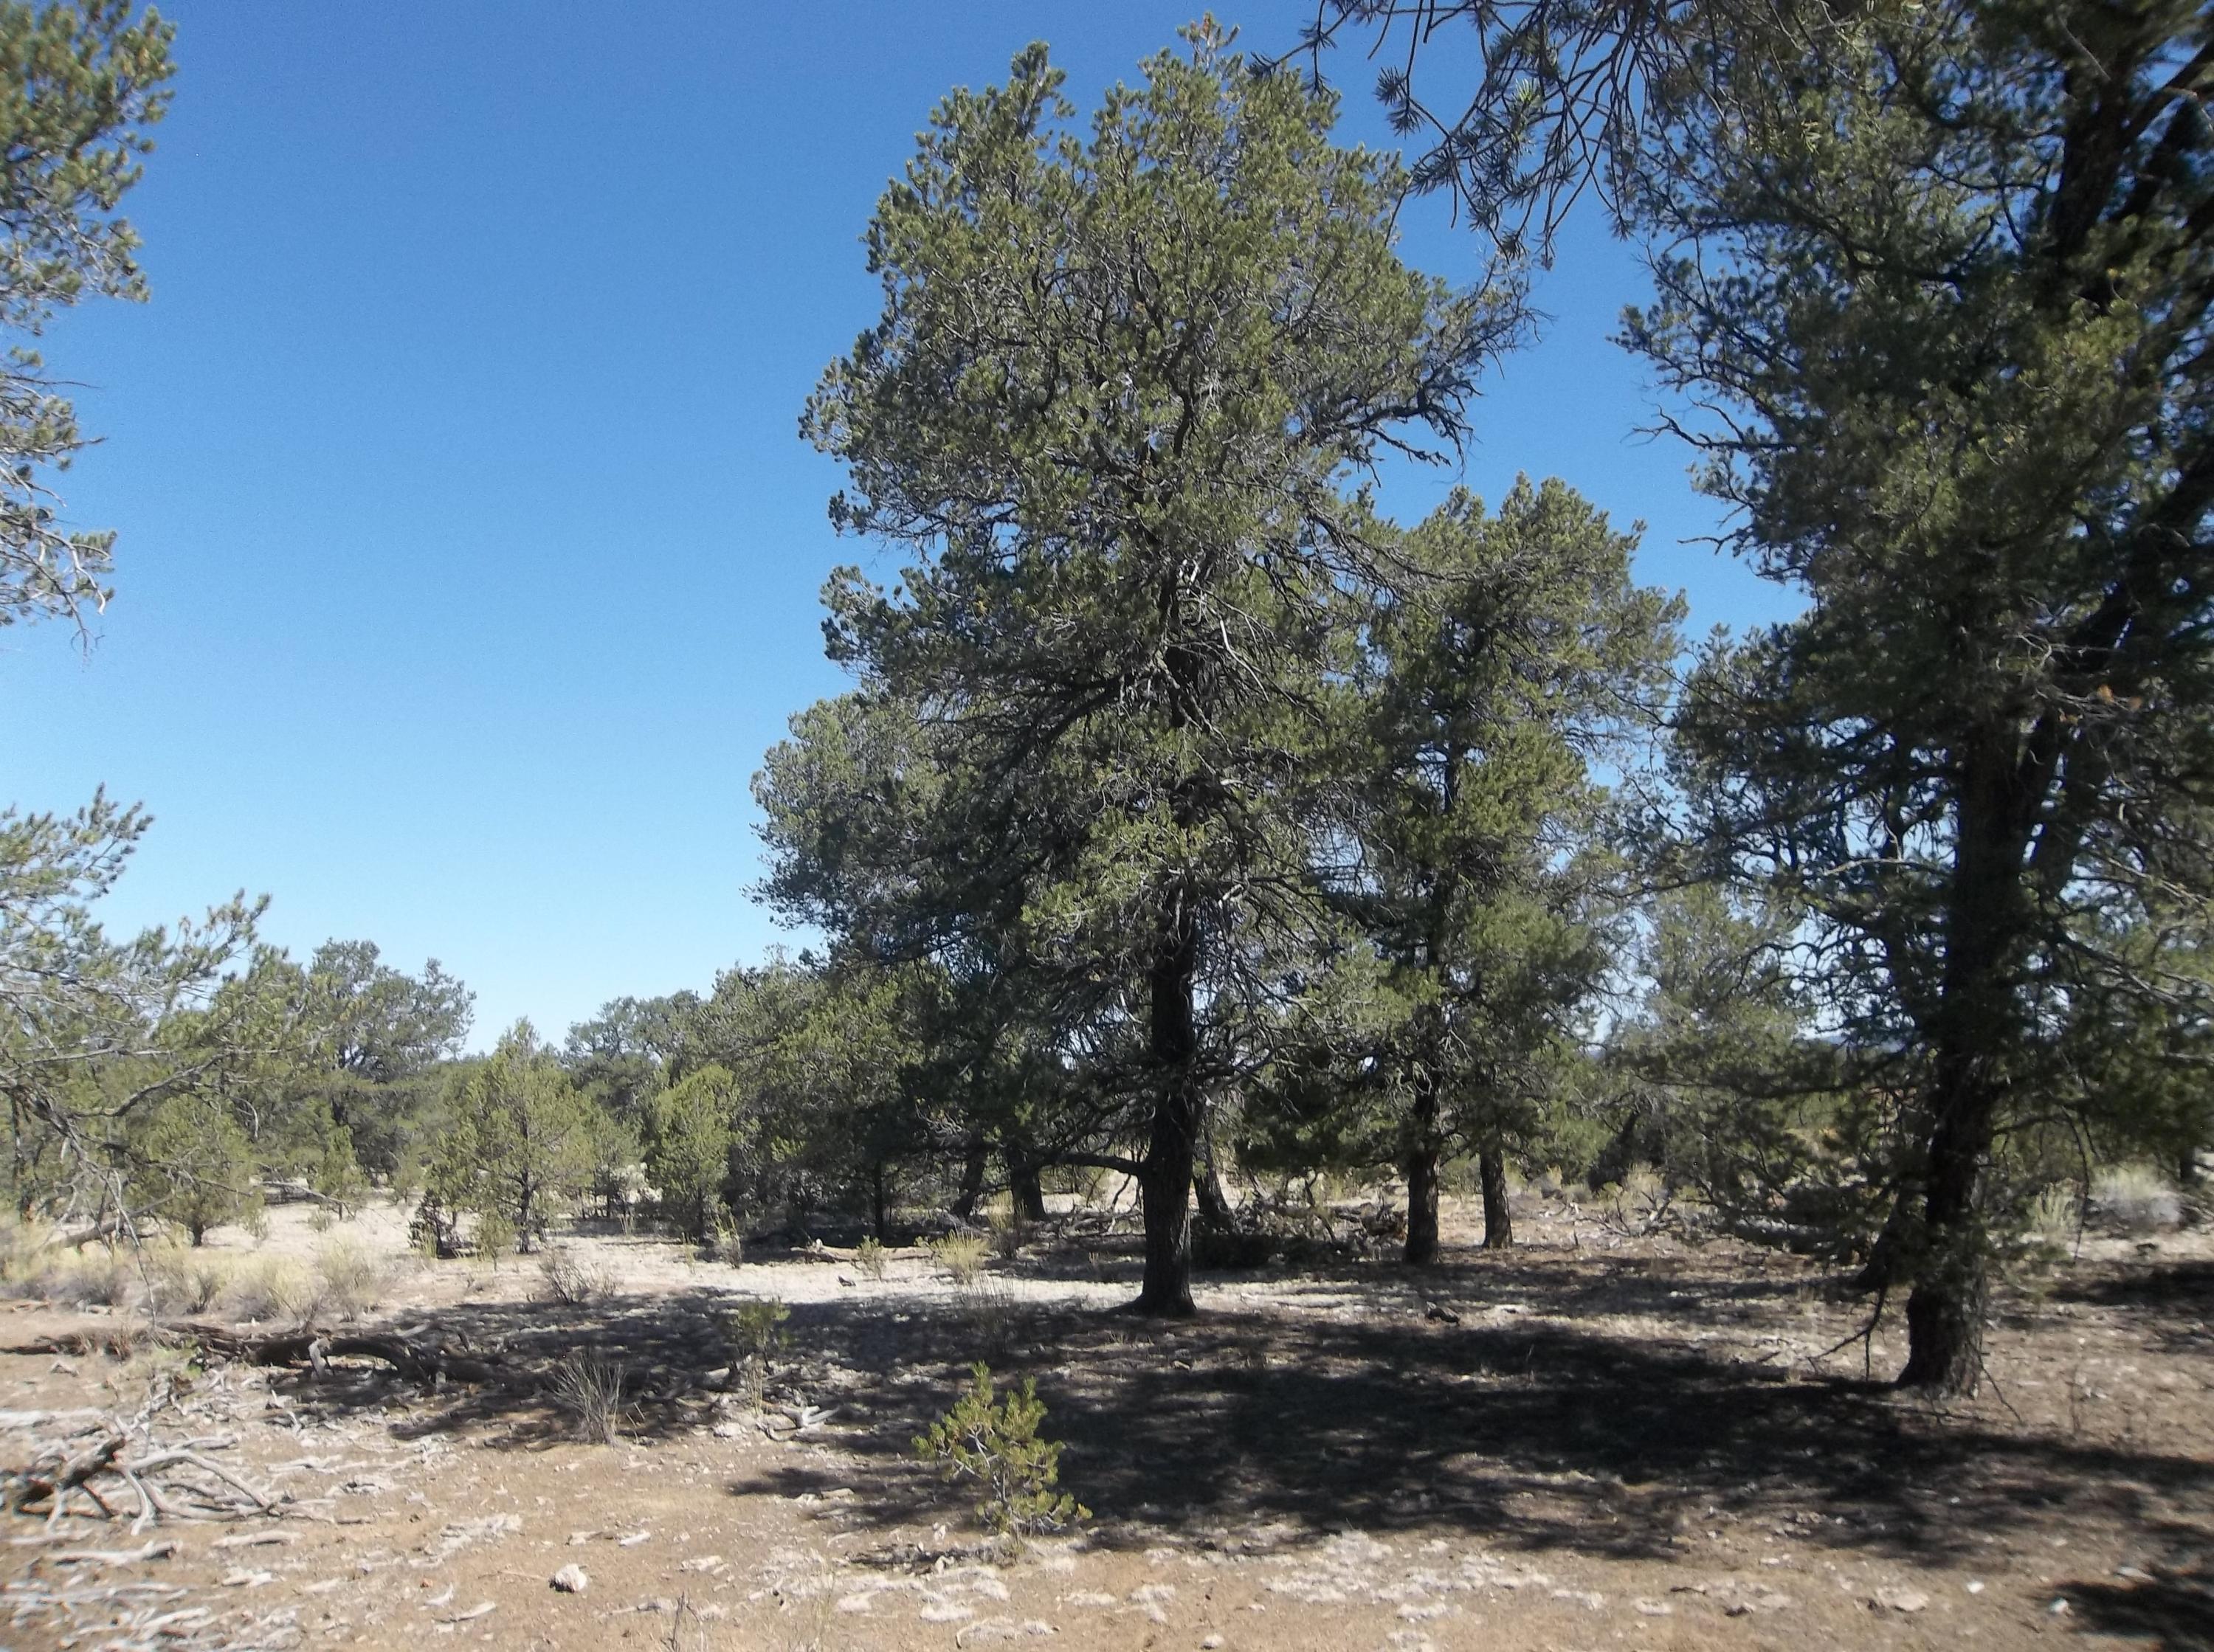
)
(572, 1580)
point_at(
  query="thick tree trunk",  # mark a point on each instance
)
(1498, 1219)
(1172, 1147)
(1214, 1203)
(1974, 1031)
(1421, 1169)
(879, 1204)
(972, 1178)
(1023, 1183)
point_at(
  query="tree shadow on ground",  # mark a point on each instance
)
(2171, 1610)
(1343, 1403)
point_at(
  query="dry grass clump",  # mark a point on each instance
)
(1007, 1230)
(574, 1281)
(1638, 1203)
(24, 1263)
(989, 1305)
(181, 1280)
(962, 1256)
(2137, 1198)
(92, 1278)
(2055, 1216)
(589, 1391)
(275, 1290)
(353, 1280)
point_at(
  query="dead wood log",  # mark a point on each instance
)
(428, 1364)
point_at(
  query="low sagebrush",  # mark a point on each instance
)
(275, 1289)
(572, 1281)
(183, 1281)
(869, 1260)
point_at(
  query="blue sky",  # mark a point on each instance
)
(469, 556)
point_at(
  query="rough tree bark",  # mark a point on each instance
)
(1421, 1169)
(972, 1178)
(1173, 1145)
(1023, 1186)
(1974, 1027)
(1498, 1219)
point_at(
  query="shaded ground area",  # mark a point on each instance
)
(1650, 1427)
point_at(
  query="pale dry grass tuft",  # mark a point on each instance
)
(353, 1280)
(962, 1256)
(274, 1291)
(588, 1390)
(2137, 1198)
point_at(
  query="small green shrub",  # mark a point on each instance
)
(995, 1443)
(962, 1256)
(758, 1334)
(869, 1260)
(496, 1236)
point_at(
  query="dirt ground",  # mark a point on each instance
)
(1590, 1442)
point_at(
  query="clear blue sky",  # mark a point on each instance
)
(469, 556)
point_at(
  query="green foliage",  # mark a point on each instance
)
(690, 1130)
(995, 1443)
(1113, 407)
(1515, 656)
(518, 1149)
(1964, 412)
(80, 83)
(195, 1166)
(101, 1032)
(757, 1333)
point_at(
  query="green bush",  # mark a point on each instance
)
(995, 1443)
(757, 1330)
(869, 1259)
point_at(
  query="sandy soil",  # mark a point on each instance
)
(1592, 1441)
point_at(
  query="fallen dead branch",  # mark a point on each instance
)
(117, 1468)
(430, 1364)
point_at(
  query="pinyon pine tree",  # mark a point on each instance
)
(1121, 386)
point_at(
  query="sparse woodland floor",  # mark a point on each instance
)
(1620, 1443)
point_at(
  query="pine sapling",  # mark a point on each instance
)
(995, 1443)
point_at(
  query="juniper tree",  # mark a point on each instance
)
(1122, 384)
(519, 1146)
(1518, 655)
